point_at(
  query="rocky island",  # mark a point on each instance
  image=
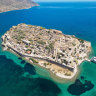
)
(49, 48)
(8, 5)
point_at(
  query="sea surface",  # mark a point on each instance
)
(19, 78)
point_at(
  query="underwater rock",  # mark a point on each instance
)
(79, 88)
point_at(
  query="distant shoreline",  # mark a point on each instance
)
(20, 9)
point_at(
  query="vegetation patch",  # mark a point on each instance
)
(33, 60)
(41, 42)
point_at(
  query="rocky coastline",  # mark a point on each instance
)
(10, 5)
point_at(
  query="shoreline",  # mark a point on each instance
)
(50, 71)
(38, 64)
(20, 9)
(52, 75)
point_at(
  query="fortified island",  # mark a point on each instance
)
(49, 48)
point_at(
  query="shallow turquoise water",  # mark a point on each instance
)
(20, 79)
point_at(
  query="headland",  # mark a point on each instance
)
(9, 5)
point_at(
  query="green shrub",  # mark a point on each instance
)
(26, 46)
(81, 41)
(51, 46)
(33, 60)
(68, 74)
(41, 42)
(28, 50)
(19, 38)
(42, 28)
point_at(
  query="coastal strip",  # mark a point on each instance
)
(10, 5)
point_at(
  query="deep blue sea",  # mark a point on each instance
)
(19, 78)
